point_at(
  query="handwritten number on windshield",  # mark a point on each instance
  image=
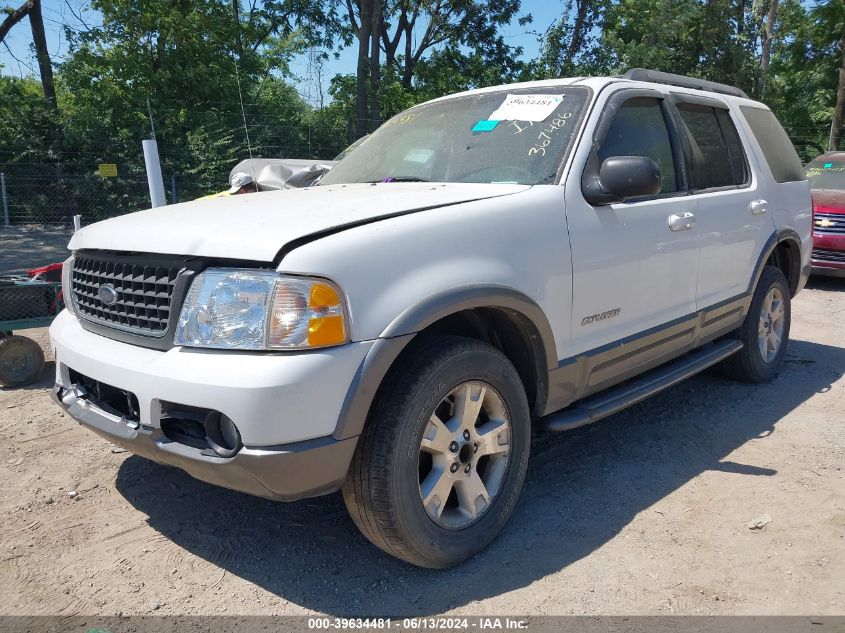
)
(545, 137)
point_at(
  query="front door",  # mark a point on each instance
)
(635, 263)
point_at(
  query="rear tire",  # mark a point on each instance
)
(442, 458)
(765, 331)
(21, 360)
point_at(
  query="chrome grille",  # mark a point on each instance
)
(143, 287)
(832, 223)
(828, 255)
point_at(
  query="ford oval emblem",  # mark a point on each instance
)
(107, 294)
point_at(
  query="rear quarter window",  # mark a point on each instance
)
(777, 148)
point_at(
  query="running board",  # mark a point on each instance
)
(600, 406)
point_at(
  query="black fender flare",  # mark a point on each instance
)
(402, 330)
(783, 234)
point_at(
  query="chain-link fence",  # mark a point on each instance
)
(45, 199)
(43, 194)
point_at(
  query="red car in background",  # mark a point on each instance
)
(827, 182)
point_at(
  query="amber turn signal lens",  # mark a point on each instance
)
(324, 331)
(323, 297)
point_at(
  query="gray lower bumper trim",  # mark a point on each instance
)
(284, 473)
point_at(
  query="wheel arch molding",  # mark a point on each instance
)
(438, 309)
(783, 249)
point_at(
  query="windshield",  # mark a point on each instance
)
(826, 174)
(510, 136)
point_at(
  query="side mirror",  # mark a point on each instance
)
(623, 177)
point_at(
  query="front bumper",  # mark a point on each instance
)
(282, 473)
(285, 405)
(828, 257)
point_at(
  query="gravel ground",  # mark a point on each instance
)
(647, 512)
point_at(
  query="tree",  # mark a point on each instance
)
(566, 41)
(13, 16)
(767, 35)
(409, 30)
(32, 8)
(839, 108)
(39, 41)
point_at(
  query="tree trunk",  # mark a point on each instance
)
(375, 64)
(839, 110)
(408, 65)
(40, 42)
(766, 36)
(361, 109)
(236, 11)
(577, 35)
(13, 18)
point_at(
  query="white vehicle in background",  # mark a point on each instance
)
(273, 174)
(548, 252)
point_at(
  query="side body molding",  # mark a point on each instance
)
(402, 330)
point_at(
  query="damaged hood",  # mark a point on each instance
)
(256, 226)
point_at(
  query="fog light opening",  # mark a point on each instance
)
(221, 434)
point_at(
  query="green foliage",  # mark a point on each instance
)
(194, 60)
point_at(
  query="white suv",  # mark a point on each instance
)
(544, 252)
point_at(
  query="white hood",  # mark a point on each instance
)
(256, 226)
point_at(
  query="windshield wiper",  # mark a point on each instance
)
(401, 179)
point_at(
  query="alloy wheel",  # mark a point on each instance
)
(464, 455)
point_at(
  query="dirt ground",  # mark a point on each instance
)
(23, 247)
(647, 512)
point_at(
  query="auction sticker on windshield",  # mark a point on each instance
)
(526, 107)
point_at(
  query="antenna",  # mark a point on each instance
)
(246, 128)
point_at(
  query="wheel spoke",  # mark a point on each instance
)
(763, 343)
(493, 437)
(777, 312)
(435, 490)
(468, 404)
(774, 337)
(767, 304)
(472, 494)
(436, 437)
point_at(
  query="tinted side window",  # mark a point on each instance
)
(717, 158)
(739, 166)
(639, 129)
(777, 148)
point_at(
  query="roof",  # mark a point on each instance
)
(637, 76)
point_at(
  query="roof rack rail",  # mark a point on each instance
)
(658, 77)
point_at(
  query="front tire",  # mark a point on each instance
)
(442, 459)
(765, 331)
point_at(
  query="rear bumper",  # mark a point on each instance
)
(283, 473)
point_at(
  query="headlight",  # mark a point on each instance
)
(67, 291)
(249, 309)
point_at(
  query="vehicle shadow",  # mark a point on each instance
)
(583, 487)
(823, 283)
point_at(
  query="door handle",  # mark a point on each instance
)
(758, 207)
(681, 221)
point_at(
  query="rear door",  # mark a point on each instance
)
(733, 215)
